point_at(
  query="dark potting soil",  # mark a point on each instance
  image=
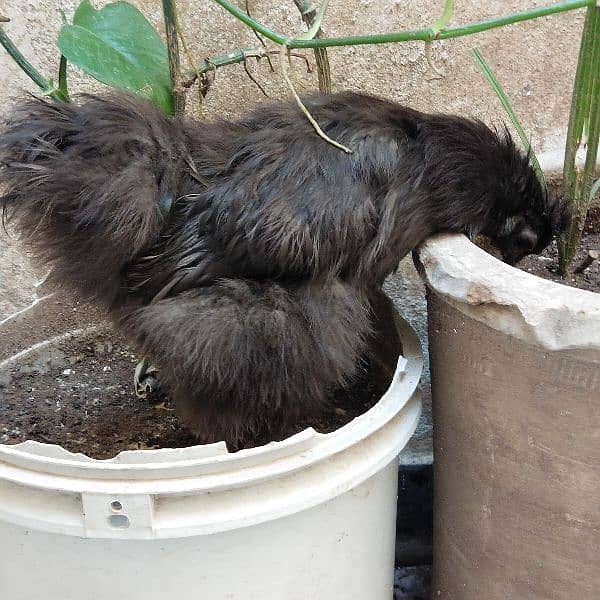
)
(546, 264)
(80, 396)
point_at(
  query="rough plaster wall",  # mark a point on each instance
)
(534, 60)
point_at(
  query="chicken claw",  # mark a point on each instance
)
(145, 379)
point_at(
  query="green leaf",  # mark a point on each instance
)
(489, 75)
(119, 47)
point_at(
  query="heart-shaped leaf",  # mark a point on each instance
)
(119, 47)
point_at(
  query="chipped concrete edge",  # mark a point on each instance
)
(534, 310)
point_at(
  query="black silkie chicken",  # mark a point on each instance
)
(242, 256)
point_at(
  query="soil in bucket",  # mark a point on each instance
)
(80, 395)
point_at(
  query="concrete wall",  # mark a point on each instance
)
(534, 60)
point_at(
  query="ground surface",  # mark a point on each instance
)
(412, 583)
(407, 290)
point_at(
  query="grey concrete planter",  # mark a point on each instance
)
(515, 370)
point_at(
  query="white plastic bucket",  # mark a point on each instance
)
(311, 517)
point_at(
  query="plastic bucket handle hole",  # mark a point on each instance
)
(118, 521)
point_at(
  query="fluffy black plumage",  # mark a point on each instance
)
(242, 256)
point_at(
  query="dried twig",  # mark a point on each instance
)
(253, 79)
(283, 62)
(588, 261)
(301, 57)
(187, 83)
(259, 38)
(237, 56)
(437, 74)
(207, 69)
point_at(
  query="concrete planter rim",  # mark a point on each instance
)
(537, 311)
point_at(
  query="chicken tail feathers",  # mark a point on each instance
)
(86, 185)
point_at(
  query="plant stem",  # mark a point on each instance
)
(44, 84)
(317, 128)
(62, 78)
(525, 15)
(232, 58)
(583, 119)
(170, 18)
(424, 35)
(309, 14)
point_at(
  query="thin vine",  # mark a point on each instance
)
(423, 35)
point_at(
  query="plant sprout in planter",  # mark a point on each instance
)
(584, 131)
